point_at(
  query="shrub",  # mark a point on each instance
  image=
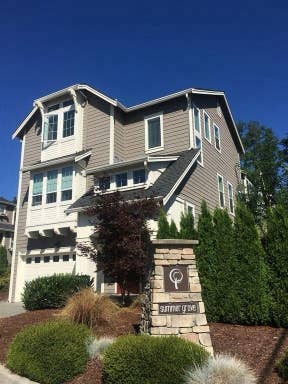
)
(96, 347)
(147, 360)
(52, 291)
(163, 226)
(173, 231)
(4, 280)
(282, 366)
(51, 352)
(221, 370)
(187, 228)
(3, 260)
(89, 308)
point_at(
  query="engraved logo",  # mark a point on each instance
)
(176, 276)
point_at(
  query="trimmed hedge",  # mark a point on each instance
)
(146, 360)
(50, 353)
(53, 291)
(282, 366)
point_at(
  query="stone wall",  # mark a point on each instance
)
(191, 326)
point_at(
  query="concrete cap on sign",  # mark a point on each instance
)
(174, 242)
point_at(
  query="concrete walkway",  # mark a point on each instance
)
(10, 309)
(7, 377)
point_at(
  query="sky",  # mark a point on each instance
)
(140, 50)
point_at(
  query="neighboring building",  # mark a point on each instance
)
(7, 217)
(181, 148)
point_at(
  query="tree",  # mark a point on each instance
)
(3, 260)
(276, 244)
(163, 226)
(121, 245)
(187, 228)
(173, 231)
(251, 270)
(283, 192)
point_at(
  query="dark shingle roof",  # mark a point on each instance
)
(160, 188)
(6, 227)
(5, 201)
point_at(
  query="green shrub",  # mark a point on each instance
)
(4, 280)
(53, 291)
(282, 366)
(51, 352)
(3, 260)
(173, 231)
(187, 227)
(163, 226)
(150, 360)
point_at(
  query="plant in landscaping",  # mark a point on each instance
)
(282, 366)
(89, 308)
(3, 261)
(96, 347)
(173, 231)
(52, 352)
(221, 370)
(187, 228)
(53, 291)
(146, 360)
(163, 226)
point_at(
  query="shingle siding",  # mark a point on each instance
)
(119, 139)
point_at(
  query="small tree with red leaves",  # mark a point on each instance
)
(120, 245)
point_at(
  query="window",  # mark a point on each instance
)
(121, 180)
(28, 260)
(46, 259)
(37, 189)
(74, 257)
(56, 259)
(37, 260)
(217, 138)
(207, 134)
(196, 116)
(104, 183)
(68, 123)
(221, 191)
(50, 127)
(139, 176)
(197, 133)
(51, 188)
(66, 185)
(154, 132)
(190, 208)
(65, 257)
(231, 198)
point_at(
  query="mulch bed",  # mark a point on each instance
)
(259, 346)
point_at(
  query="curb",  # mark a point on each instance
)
(7, 377)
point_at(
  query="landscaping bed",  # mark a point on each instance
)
(259, 346)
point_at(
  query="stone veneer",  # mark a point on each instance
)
(192, 327)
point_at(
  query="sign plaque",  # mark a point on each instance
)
(183, 308)
(176, 278)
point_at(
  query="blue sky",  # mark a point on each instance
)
(136, 51)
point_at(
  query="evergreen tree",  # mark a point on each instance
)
(173, 231)
(205, 259)
(187, 228)
(276, 256)
(163, 226)
(3, 260)
(251, 278)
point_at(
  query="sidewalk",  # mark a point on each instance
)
(6, 377)
(10, 309)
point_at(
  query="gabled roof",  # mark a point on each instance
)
(164, 187)
(116, 103)
(7, 202)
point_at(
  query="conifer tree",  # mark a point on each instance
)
(173, 231)
(163, 226)
(187, 228)
(276, 257)
(3, 260)
(251, 277)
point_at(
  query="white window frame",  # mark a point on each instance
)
(230, 198)
(224, 203)
(161, 146)
(198, 134)
(189, 205)
(205, 114)
(216, 126)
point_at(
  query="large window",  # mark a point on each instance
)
(37, 189)
(217, 138)
(121, 180)
(230, 197)
(51, 188)
(66, 184)
(139, 176)
(68, 123)
(207, 133)
(104, 183)
(154, 132)
(50, 127)
(221, 191)
(197, 133)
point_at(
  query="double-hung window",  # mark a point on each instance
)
(139, 176)
(154, 132)
(51, 187)
(68, 123)
(121, 180)
(217, 138)
(104, 183)
(37, 189)
(66, 184)
(207, 133)
(221, 191)
(197, 133)
(230, 197)
(50, 128)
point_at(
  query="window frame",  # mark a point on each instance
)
(205, 114)
(189, 205)
(219, 196)
(119, 175)
(219, 138)
(146, 120)
(198, 134)
(67, 189)
(133, 179)
(230, 198)
(37, 194)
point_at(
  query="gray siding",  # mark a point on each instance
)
(119, 139)
(33, 141)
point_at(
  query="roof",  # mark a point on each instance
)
(7, 202)
(116, 103)
(6, 227)
(164, 186)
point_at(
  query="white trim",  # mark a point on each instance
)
(24, 122)
(189, 205)
(83, 156)
(157, 159)
(232, 197)
(161, 146)
(191, 131)
(176, 185)
(218, 175)
(209, 123)
(198, 134)
(216, 126)
(48, 251)
(112, 130)
(115, 166)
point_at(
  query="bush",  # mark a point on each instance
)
(4, 280)
(51, 352)
(147, 360)
(163, 226)
(89, 308)
(3, 260)
(222, 370)
(53, 291)
(187, 228)
(173, 231)
(96, 347)
(282, 366)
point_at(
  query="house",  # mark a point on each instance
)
(181, 148)
(7, 218)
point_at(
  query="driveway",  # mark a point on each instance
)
(10, 309)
